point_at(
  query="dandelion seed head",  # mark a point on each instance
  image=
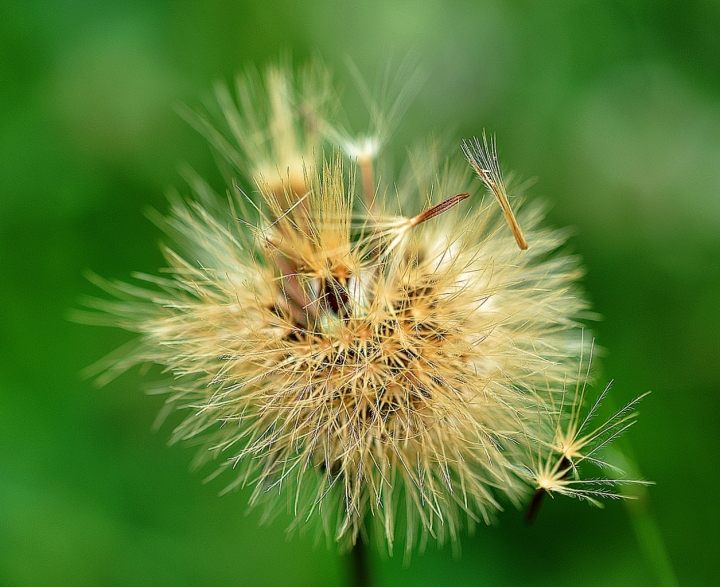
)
(370, 359)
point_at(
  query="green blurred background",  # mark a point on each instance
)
(615, 106)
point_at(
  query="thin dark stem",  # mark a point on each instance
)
(534, 506)
(359, 571)
(565, 467)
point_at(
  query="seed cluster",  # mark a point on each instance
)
(365, 365)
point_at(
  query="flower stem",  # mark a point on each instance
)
(359, 571)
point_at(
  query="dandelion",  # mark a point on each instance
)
(382, 355)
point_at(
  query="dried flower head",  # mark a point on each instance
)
(382, 351)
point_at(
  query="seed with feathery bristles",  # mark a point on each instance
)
(370, 366)
(484, 160)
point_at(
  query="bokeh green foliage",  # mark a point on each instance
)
(614, 106)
